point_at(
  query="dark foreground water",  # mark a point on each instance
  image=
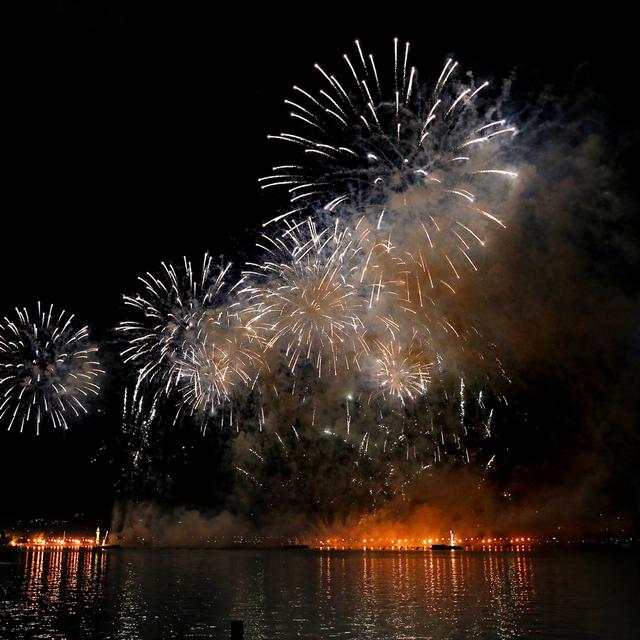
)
(306, 594)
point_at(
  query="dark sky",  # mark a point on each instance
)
(136, 133)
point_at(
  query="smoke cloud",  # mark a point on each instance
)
(543, 323)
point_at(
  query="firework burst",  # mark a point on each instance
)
(227, 355)
(171, 319)
(308, 297)
(48, 369)
(402, 367)
(398, 152)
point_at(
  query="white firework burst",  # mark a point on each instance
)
(48, 368)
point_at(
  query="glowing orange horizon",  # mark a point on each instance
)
(39, 542)
(412, 542)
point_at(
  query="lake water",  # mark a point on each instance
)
(157, 594)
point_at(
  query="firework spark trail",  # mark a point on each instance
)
(307, 296)
(193, 338)
(48, 369)
(171, 318)
(329, 296)
(394, 150)
(227, 355)
(138, 416)
(325, 296)
(422, 168)
(403, 368)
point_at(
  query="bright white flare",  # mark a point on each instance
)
(48, 368)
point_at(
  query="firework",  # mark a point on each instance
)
(227, 355)
(392, 190)
(308, 297)
(171, 319)
(397, 153)
(402, 367)
(139, 415)
(48, 368)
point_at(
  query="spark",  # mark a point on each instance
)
(48, 369)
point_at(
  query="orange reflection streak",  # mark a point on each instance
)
(52, 573)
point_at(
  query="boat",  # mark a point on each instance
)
(446, 547)
(452, 546)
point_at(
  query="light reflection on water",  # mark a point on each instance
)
(129, 594)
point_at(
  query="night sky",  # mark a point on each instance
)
(136, 134)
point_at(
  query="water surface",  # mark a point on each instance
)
(157, 594)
